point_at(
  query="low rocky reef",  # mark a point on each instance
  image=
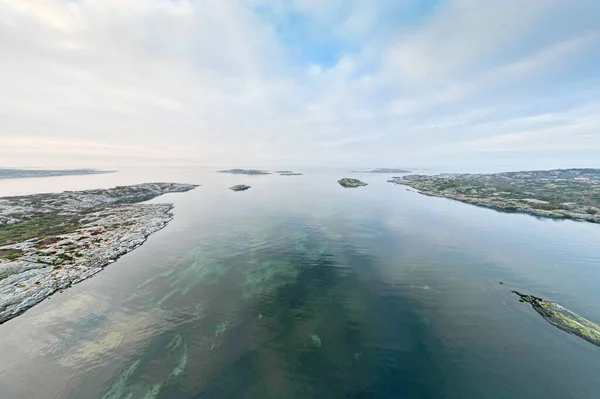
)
(560, 194)
(563, 318)
(351, 183)
(49, 242)
(239, 187)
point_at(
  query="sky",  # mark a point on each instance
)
(319, 83)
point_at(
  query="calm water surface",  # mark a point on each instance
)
(299, 288)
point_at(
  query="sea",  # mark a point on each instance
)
(300, 288)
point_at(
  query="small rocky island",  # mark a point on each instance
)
(49, 242)
(564, 319)
(351, 183)
(247, 172)
(239, 187)
(23, 173)
(561, 193)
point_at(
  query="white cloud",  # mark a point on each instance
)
(251, 81)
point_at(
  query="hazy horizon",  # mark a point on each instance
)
(443, 84)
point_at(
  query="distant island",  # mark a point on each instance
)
(351, 183)
(287, 173)
(382, 170)
(559, 193)
(256, 172)
(250, 172)
(22, 173)
(50, 241)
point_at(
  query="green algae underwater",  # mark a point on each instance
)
(303, 289)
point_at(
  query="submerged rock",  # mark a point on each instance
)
(351, 183)
(564, 319)
(239, 187)
(316, 340)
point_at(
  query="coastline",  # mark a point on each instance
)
(507, 207)
(526, 197)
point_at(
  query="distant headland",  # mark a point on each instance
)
(6, 173)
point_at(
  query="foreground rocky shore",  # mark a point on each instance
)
(560, 194)
(50, 241)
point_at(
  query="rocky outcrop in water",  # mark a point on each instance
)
(564, 319)
(50, 241)
(351, 183)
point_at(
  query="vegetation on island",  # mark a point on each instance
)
(39, 227)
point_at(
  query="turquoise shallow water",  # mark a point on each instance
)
(299, 288)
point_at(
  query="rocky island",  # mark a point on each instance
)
(22, 173)
(560, 193)
(564, 319)
(49, 242)
(239, 187)
(248, 172)
(351, 183)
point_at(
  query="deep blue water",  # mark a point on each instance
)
(299, 288)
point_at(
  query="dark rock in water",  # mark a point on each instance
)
(245, 172)
(351, 183)
(564, 319)
(239, 187)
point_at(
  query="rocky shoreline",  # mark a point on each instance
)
(49, 242)
(559, 194)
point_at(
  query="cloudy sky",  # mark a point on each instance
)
(299, 82)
